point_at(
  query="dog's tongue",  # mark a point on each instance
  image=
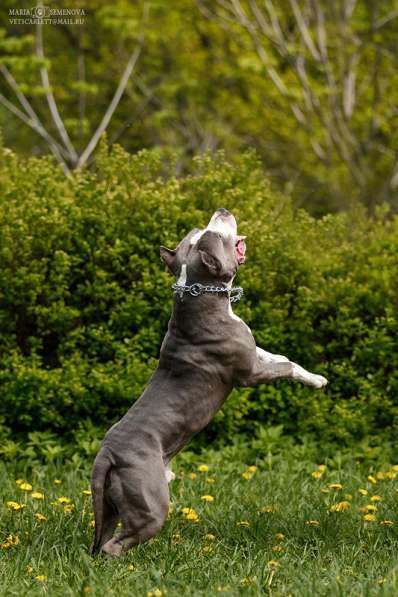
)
(240, 248)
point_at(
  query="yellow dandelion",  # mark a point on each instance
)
(192, 476)
(210, 480)
(369, 518)
(243, 523)
(41, 577)
(386, 523)
(207, 498)
(176, 538)
(15, 506)
(91, 523)
(37, 495)
(86, 491)
(210, 537)
(391, 475)
(252, 469)
(131, 567)
(192, 517)
(363, 491)
(29, 569)
(266, 509)
(380, 476)
(279, 536)
(335, 486)
(155, 593)
(246, 475)
(395, 468)
(187, 511)
(273, 564)
(207, 549)
(278, 548)
(316, 474)
(371, 479)
(57, 481)
(246, 581)
(203, 468)
(64, 500)
(324, 490)
(381, 581)
(87, 589)
(312, 523)
(322, 467)
(375, 498)
(19, 481)
(371, 507)
(40, 516)
(68, 508)
(340, 506)
(25, 486)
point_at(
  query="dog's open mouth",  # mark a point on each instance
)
(240, 249)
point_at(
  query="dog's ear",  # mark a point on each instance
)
(211, 262)
(168, 257)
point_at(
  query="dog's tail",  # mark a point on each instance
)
(101, 469)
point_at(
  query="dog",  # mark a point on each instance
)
(207, 350)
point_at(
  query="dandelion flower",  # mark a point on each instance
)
(40, 516)
(335, 486)
(386, 523)
(64, 500)
(252, 469)
(322, 467)
(395, 468)
(266, 509)
(91, 523)
(210, 537)
(69, 508)
(57, 481)
(371, 479)
(279, 536)
(273, 564)
(86, 491)
(37, 495)
(176, 538)
(371, 507)
(246, 475)
(278, 548)
(25, 486)
(203, 468)
(340, 506)
(15, 506)
(316, 474)
(29, 569)
(369, 517)
(363, 491)
(19, 481)
(312, 523)
(155, 593)
(380, 476)
(87, 589)
(207, 549)
(375, 498)
(41, 577)
(210, 480)
(192, 476)
(131, 567)
(243, 523)
(207, 498)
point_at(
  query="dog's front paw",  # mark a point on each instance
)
(318, 381)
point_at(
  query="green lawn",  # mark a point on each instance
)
(272, 531)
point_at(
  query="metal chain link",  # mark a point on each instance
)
(235, 294)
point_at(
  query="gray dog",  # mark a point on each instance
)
(207, 350)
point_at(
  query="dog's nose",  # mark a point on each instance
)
(223, 212)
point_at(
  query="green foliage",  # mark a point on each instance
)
(85, 300)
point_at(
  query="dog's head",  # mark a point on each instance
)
(209, 255)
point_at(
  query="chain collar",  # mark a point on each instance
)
(235, 294)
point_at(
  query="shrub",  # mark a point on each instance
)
(85, 300)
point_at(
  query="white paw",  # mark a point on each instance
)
(318, 381)
(170, 476)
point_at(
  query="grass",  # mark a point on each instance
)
(255, 537)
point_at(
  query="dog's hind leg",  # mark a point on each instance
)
(143, 506)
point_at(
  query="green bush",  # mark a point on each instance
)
(85, 300)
